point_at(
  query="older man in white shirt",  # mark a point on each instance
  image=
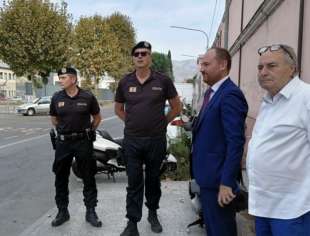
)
(278, 160)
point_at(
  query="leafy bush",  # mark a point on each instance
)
(180, 148)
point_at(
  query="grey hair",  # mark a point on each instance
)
(290, 57)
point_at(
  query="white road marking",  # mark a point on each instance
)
(11, 137)
(109, 118)
(22, 141)
(30, 132)
(38, 137)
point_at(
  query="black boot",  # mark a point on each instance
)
(61, 217)
(92, 218)
(131, 229)
(153, 219)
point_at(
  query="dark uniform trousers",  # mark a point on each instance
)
(138, 151)
(82, 151)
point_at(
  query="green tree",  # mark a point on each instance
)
(160, 62)
(87, 84)
(170, 66)
(34, 36)
(95, 48)
(122, 27)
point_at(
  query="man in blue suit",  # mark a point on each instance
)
(218, 139)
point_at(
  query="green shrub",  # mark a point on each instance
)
(180, 148)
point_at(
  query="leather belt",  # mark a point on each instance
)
(72, 136)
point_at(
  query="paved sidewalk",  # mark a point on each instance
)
(175, 212)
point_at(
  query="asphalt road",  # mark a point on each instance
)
(26, 179)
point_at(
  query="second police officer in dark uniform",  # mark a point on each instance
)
(71, 111)
(140, 103)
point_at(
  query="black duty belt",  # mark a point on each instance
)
(72, 136)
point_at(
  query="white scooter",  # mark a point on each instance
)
(108, 153)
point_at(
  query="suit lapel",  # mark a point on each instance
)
(215, 97)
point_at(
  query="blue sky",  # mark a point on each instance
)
(152, 20)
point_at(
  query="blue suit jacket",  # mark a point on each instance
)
(218, 138)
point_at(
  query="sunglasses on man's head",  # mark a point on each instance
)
(273, 48)
(143, 54)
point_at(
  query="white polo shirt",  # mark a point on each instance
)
(278, 159)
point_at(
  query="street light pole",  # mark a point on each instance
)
(195, 97)
(192, 29)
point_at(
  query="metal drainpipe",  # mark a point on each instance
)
(300, 34)
(240, 50)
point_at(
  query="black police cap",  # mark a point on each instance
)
(67, 70)
(142, 44)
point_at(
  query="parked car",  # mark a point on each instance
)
(38, 106)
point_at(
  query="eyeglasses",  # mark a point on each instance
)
(272, 48)
(143, 54)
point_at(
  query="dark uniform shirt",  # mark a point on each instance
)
(145, 104)
(73, 113)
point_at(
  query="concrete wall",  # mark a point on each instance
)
(305, 68)
(273, 31)
(250, 7)
(234, 71)
(234, 21)
(282, 26)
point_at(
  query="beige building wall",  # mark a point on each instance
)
(305, 62)
(219, 39)
(234, 71)
(273, 31)
(234, 21)
(281, 26)
(250, 7)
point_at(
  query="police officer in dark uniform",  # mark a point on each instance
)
(71, 111)
(140, 102)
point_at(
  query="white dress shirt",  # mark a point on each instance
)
(278, 159)
(214, 88)
(217, 85)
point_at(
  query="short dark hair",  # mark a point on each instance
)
(223, 54)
